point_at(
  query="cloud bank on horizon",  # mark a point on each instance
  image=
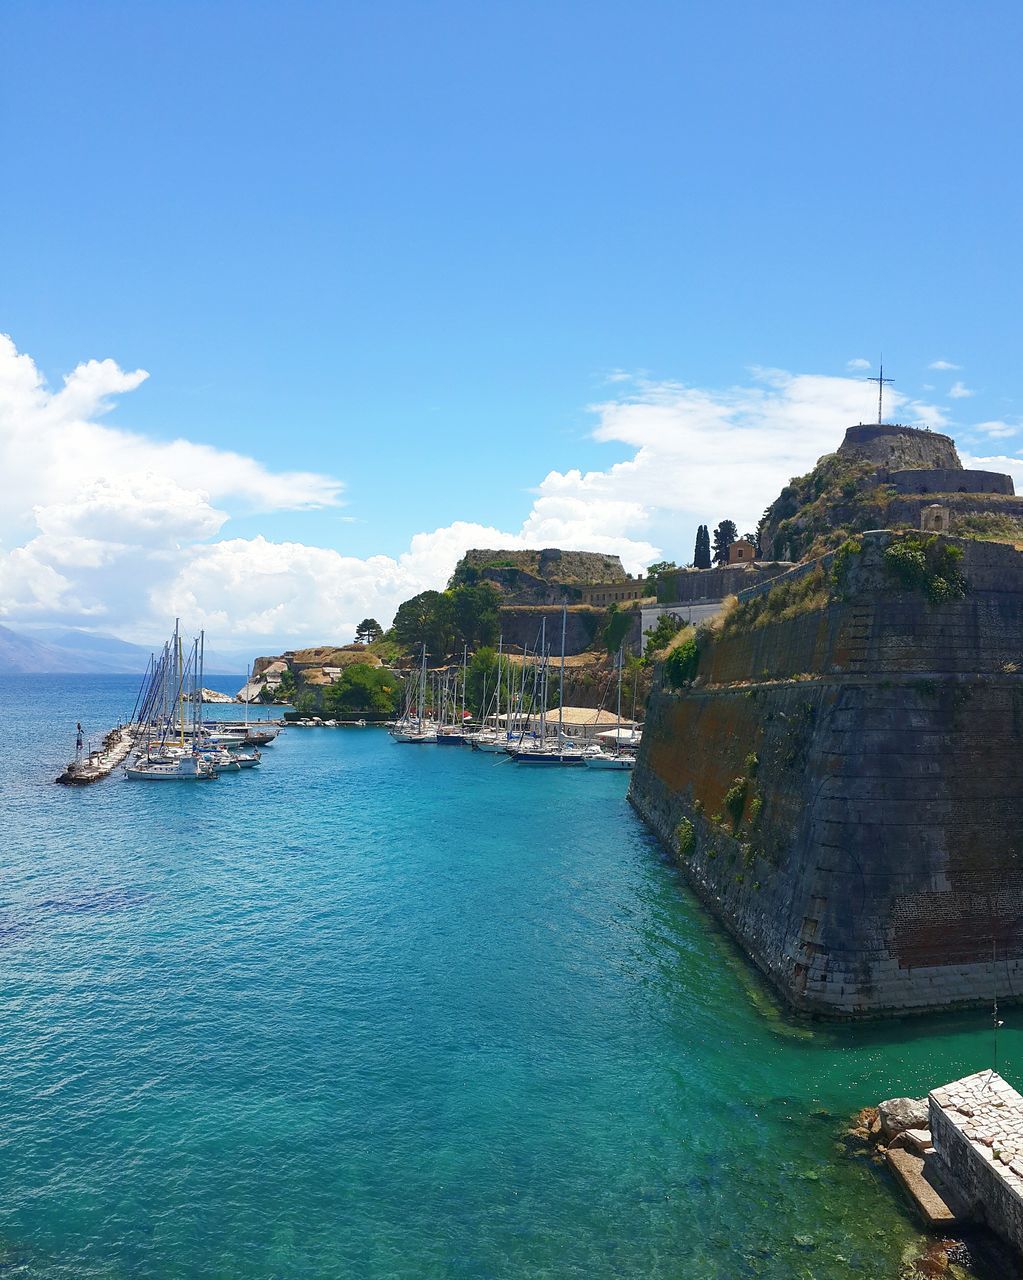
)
(105, 528)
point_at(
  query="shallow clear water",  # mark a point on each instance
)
(393, 1011)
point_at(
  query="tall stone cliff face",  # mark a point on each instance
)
(844, 787)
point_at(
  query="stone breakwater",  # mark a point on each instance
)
(98, 764)
(844, 789)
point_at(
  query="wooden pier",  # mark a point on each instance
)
(99, 764)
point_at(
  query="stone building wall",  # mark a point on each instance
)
(685, 586)
(928, 480)
(878, 744)
(976, 1126)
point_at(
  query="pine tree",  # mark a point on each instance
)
(367, 631)
(701, 557)
(724, 535)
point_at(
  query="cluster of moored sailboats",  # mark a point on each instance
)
(533, 737)
(172, 742)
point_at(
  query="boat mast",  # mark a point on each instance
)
(465, 667)
(618, 720)
(561, 681)
(202, 673)
(497, 708)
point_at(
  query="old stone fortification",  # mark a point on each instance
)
(688, 586)
(543, 572)
(520, 626)
(893, 446)
(880, 478)
(843, 786)
(924, 480)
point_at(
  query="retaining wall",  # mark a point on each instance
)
(878, 845)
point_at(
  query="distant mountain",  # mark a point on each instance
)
(63, 650)
(21, 654)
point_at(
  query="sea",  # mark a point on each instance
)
(405, 1012)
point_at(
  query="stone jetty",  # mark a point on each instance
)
(98, 764)
(958, 1154)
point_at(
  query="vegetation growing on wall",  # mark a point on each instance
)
(735, 800)
(805, 594)
(617, 628)
(661, 635)
(927, 563)
(682, 662)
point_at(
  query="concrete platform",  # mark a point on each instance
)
(919, 1177)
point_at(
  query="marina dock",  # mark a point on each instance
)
(99, 764)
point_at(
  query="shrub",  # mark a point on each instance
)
(735, 800)
(927, 564)
(681, 664)
(685, 837)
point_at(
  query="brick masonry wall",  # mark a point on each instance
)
(880, 846)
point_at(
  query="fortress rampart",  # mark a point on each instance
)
(844, 788)
(929, 480)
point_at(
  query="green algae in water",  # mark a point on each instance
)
(396, 1012)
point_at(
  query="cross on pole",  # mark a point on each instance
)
(881, 380)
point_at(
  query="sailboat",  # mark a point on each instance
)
(494, 740)
(619, 759)
(416, 729)
(176, 764)
(453, 735)
(563, 750)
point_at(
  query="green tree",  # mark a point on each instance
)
(426, 619)
(475, 614)
(367, 631)
(724, 535)
(667, 627)
(701, 556)
(662, 566)
(363, 690)
(286, 689)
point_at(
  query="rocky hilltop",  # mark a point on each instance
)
(550, 576)
(882, 477)
(837, 763)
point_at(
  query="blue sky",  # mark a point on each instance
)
(407, 245)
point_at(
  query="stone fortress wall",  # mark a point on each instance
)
(929, 480)
(877, 746)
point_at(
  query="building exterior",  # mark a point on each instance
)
(935, 518)
(742, 551)
(605, 593)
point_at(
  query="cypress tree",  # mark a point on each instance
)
(701, 559)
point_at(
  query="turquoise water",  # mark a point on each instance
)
(384, 1011)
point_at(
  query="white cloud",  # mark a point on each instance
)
(857, 363)
(114, 530)
(959, 392)
(997, 462)
(51, 446)
(943, 364)
(997, 429)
